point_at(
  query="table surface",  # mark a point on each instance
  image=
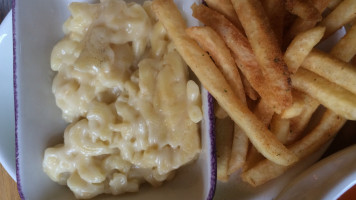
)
(346, 137)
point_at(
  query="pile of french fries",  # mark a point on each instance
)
(279, 99)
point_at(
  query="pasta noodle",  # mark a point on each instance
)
(124, 89)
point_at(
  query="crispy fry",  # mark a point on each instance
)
(239, 150)
(243, 55)
(344, 13)
(332, 69)
(276, 14)
(219, 112)
(332, 96)
(300, 122)
(333, 3)
(303, 9)
(326, 129)
(214, 82)
(253, 157)
(211, 42)
(263, 112)
(225, 8)
(300, 47)
(345, 49)
(265, 46)
(300, 101)
(250, 92)
(224, 130)
(280, 127)
(301, 25)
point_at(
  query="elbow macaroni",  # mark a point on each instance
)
(126, 92)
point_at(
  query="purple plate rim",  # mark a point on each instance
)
(213, 177)
(211, 120)
(16, 105)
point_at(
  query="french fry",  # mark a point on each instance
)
(253, 157)
(300, 122)
(211, 42)
(300, 47)
(333, 3)
(303, 9)
(225, 8)
(300, 102)
(243, 55)
(224, 130)
(329, 94)
(219, 112)
(280, 127)
(326, 129)
(301, 25)
(263, 112)
(213, 80)
(239, 150)
(250, 92)
(344, 13)
(345, 48)
(276, 14)
(265, 46)
(331, 69)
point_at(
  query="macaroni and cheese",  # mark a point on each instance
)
(125, 90)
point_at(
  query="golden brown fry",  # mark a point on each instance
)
(301, 25)
(332, 96)
(303, 9)
(219, 112)
(212, 79)
(276, 13)
(250, 92)
(344, 13)
(331, 69)
(265, 46)
(300, 47)
(300, 122)
(263, 112)
(345, 49)
(243, 55)
(280, 127)
(225, 7)
(333, 3)
(224, 130)
(300, 102)
(326, 129)
(239, 150)
(253, 157)
(211, 42)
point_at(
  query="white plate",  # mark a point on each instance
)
(39, 123)
(7, 116)
(38, 26)
(341, 175)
